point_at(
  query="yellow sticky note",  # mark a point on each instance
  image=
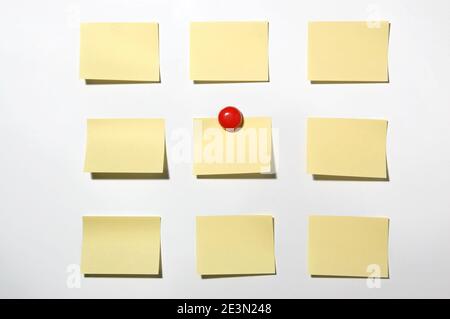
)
(121, 245)
(235, 245)
(125, 146)
(246, 151)
(348, 51)
(347, 147)
(348, 246)
(229, 51)
(119, 52)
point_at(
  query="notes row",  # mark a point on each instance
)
(234, 51)
(334, 147)
(236, 245)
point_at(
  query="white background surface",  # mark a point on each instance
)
(44, 107)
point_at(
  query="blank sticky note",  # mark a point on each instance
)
(125, 146)
(119, 52)
(235, 245)
(348, 246)
(246, 151)
(347, 147)
(121, 245)
(348, 51)
(229, 51)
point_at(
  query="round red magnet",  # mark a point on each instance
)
(230, 118)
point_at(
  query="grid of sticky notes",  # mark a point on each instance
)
(221, 152)
(121, 245)
(344, 246)
(348, 51)
(119, 52)
(236, 51)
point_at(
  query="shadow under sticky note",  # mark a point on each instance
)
(239, 176)
(224, 52)
(236, 275)
(227, 82)
(352, 179)
(235, 245)
(348, 52)
(117, 53)
(115, 246)
(245, 153)
(126, 146)
(341, 246)
(347, 148)
(108, 82)
(349, 82)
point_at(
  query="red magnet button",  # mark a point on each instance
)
(230, 118)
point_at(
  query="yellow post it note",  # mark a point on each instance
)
(348, 246)
(119, 52)
(121, 245)
(235, 245)
(229, 51)
(125, 146)
(347, 147)
(348, 51)
(245, 151)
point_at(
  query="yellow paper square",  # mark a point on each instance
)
(229, 51)
(119, 52)
(125, 146)
(347, 147)
(121, 245)
(348, 246)
(246, 151)
(235, 245)
(348, 51)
